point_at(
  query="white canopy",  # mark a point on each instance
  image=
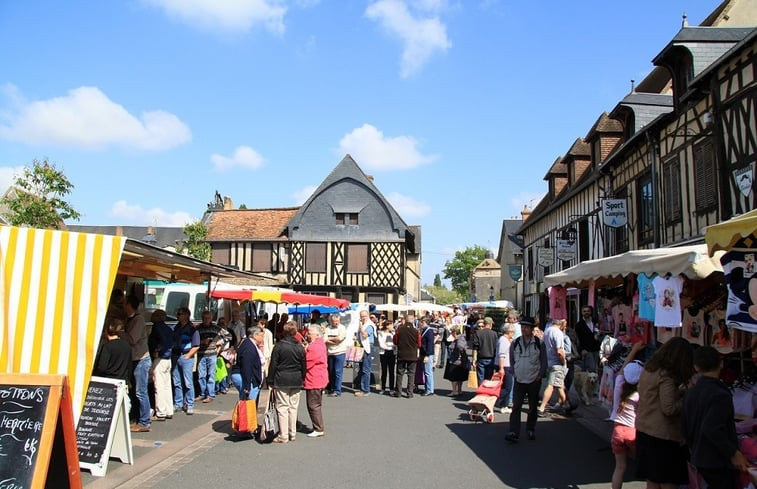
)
(414, 306)
(692, 261)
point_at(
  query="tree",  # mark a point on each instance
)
(195, 245)
(437, 280)
(458, 269)
(444, 296)
(38, 197)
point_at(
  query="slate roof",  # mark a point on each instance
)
(249, 224)
(164, 237)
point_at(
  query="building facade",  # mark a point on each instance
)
(678, 153)
(346, 240)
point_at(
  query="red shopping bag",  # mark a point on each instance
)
(244, 418)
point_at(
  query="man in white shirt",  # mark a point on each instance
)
(335, 337)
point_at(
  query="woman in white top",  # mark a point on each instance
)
(386, 355)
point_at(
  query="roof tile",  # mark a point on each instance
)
(249, 224)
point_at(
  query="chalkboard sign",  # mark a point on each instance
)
(22, 416)
(103, 429)
(95, 420)
(37, 438)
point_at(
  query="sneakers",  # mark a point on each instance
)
(315, 434)
(334, 394)
(361, 394)
(511, 437)
(531, 435)
(426, 394)
(505, 410)
(190, 411)
(540, 413)
(394, 394)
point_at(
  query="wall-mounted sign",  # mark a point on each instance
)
(545, 257)
(516, 271)
(566, 250)
(744, 178)
(614, 212)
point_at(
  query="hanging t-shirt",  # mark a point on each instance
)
(622, 316)
(694, 327)
(740, 277)
(667, 301)
(646, 297)
(557, 306)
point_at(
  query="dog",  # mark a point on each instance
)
(585, 385)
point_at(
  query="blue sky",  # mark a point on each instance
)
(456, 107)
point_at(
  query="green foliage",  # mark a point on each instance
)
(195, 245)
(458, 269)
(38, 199)
(437, 280)
(442, 295)
(242, 207)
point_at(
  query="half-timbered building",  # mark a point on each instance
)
(346, 240)
(679, 150)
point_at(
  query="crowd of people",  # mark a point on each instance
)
(669, 407)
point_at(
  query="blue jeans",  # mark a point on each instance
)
(182, 371)
(141, 376)
(236, 379)
(484, 369)
(222, 385)
(206, 372)
(505, 398)
(428, 369)
(336, 369)
(365, 373)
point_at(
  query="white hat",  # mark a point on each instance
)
(632, 372)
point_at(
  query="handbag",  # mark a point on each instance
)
(244, 418)
(270, 422)
(472, 379)
(355, 354)
(221, 372)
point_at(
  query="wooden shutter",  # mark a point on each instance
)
(671, 182)
(705, 176)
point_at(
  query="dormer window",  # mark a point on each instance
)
(346, 218)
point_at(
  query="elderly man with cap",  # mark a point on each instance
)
(529, 362)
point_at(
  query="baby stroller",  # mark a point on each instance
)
(482, 405)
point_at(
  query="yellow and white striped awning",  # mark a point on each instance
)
(54, 289)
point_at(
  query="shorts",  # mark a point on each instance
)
(623, 439)
(556, 376)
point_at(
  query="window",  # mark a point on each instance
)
(671, 185)
(357, 258)
(645, 208)
(261, 257)
(705, 177)
(375, 298)
(315, 257)
(343, 218)
(596, 151)
(176, 300)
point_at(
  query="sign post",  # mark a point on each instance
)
(37, 437)
(103, 429)
(614, 212)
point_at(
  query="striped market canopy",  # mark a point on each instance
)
(280, 297)
(55, 288)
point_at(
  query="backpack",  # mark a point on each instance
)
(519, 344)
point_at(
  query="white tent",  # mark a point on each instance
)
(692, 261)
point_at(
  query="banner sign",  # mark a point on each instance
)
(744, 178)
(614, 212)
(546, 257)
(566, 250)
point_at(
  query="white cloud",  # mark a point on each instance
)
(408, 206)
(243, 157)
(374, 151)
(87, 118)
(130, 214)
(421, 37)
(8, 176)
(303, 194)
(227, 15)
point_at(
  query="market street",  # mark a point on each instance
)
(373, 442)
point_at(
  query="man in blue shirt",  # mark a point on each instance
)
(427, 354)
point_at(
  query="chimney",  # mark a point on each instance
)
(526, 212)
(370, 178)
(228, 205)
(151, 230)
(119, 231)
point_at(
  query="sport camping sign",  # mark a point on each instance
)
(614, 212)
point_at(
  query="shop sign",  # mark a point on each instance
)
(614, 212)
(546, 257)
(566, 250)
(744, 178)
(516, 271)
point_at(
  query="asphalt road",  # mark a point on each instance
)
(373, 442)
